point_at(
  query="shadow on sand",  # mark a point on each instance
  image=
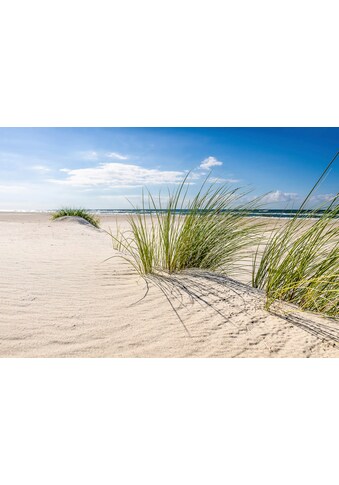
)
(211, 290)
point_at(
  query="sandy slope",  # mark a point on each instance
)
(58, 298)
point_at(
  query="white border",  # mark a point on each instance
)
(178, 63)
(151, 63)
(188, 421)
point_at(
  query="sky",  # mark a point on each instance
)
(106, 168)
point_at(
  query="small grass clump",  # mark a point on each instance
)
(68, 211)
(203, 233)
(300, 262)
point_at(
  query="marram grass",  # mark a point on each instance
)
(210, 236)
(68, 211)
(300, 262)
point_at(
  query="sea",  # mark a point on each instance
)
(280, 213)
(276, 213)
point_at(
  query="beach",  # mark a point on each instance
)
(65, 292)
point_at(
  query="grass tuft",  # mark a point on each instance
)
(68, 211)
(300, 262)
(211, 234)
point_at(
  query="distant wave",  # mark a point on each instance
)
(281, 213)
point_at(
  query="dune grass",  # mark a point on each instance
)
(300, 262)
(68, 211)
(211, 235)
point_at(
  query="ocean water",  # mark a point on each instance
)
(280, 213)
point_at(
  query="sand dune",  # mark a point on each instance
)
(60, 298)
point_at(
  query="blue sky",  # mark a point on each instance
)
(45, 168)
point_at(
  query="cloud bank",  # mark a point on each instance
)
(279, 196)
(116, 175)
(323, 197)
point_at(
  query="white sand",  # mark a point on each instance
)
(59, 299)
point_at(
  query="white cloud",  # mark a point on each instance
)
(210, 162)
(117, 175)
(40, 168)
(323, 197)
(278, 196)
(116, 156)
(223, 181)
